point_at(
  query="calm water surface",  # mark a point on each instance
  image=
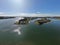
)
(30, 34)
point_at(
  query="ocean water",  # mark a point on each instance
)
(30, 34)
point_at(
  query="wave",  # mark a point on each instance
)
(18, 30)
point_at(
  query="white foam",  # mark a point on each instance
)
(18, 31)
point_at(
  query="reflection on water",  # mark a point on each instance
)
(30, 34)
(17, 30)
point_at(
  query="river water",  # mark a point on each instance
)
(29, 34)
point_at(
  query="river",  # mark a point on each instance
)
(30, 34)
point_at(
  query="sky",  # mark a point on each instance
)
(30, 6)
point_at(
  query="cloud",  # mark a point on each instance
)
(1, 12)
(29, 14)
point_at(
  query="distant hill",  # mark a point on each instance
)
(1, 17)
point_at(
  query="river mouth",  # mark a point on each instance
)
(30, 34)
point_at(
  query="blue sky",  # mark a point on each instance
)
(31, 6)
